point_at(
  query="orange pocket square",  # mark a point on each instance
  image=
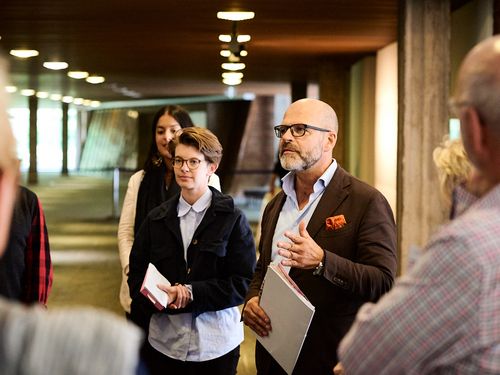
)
(335, 222)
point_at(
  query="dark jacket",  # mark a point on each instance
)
(220, 259)
(360, 266)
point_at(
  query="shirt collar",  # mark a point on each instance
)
(323, 180)
(199, 206)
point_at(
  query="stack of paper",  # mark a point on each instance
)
(150, 288)
(290, 313)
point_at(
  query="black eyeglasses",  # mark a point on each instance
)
(297, 130)
(192, 163)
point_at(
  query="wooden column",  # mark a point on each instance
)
(299, 90)
(423, 84)
(333, 89)
(33, 108)
(64, 108)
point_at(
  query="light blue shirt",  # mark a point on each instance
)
(208, 336)
(291, 215)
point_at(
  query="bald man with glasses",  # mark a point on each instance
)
(334, 234)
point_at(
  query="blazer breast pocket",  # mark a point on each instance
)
(346, 230)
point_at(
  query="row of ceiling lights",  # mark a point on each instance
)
(234, 48)
(56, 65)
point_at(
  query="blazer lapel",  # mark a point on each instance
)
(268, 230)
(334, 195)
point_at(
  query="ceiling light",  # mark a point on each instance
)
(86, 102)
(78, 101)
(10, 89)
(231, 82)
(67, 99)
(28, 92)
(55, 97)
(235, 16)
(95, 79)
(42, 94)
(225, 53)
(78, 74)
(233, 66)
(243, 53)
(232, 75)
(95, 103)
(55, 65)
(24, 53)
(243, 38)
(225, 38)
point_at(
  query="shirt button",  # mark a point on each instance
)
(195, 241)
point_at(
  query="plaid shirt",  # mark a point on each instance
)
(444, 316)
(26, 268)
(38, 272)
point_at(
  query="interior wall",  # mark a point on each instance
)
(386, 123)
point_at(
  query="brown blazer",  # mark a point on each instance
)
(360, 266)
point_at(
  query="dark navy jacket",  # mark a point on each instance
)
(220, 258)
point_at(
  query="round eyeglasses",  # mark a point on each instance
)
(192, 163)
(297, 130)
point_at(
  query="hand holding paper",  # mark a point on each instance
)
(150, 287)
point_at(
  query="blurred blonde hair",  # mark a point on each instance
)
(8, 158)
(452, 164)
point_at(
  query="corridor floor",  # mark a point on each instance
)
(82, 233)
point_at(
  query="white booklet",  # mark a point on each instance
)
(150, 288)
(290, 313)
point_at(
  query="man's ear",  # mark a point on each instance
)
(477, 133)
(332, 140)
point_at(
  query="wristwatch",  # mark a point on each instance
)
(320, 269)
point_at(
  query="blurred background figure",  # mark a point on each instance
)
(26, 271)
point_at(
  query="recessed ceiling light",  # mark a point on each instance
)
(28, 92)
(78, 74)
(225, 53)
(233, 66)
(78, 101)
(42, 94)
(95, 79)
(24, 53)
(55, 65)
(10, 89)
(95, 103)
(243, 53)
(86, 102)
(55, 97)
(67, 99)
(235, 16)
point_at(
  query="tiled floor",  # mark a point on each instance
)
(82, 234)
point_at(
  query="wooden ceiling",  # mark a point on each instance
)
(170, 48)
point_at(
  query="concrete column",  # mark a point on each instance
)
(64, 108)
(423, 84)
(33, 108)
(333, 89)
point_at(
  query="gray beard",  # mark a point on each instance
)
(299, 162)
